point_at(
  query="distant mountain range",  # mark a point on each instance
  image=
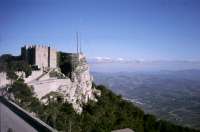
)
(106, 64)
(170, 95)
(124, 60)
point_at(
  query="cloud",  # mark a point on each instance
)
(120, 59)
(138, 61)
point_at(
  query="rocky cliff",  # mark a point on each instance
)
(77, 90)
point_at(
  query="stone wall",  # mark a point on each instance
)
(53, 58)
(33, 76)
(41, 56)
(3, 80)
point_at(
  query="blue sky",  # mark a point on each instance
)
(133, 29)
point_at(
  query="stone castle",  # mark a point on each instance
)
(49, 81)
(45, 57)
(40, 56)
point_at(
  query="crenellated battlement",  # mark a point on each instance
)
(44, 46)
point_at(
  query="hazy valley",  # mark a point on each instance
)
(170, 95)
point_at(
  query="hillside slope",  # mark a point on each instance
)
(170, 95)
(109, 113)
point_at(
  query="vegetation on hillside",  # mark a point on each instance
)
(11, 64)
(109, 113)
(170, 95)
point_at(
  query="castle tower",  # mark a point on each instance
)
(40, 56)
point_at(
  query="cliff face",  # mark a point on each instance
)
(77, 90)
(80, 89)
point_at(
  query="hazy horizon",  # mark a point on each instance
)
(142, 67)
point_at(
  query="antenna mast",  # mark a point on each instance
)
(80, 44)
(77, 43)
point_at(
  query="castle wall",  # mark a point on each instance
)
(31, 56)
(24, 53)
(3, 79)
(53, 58)
(41, 56)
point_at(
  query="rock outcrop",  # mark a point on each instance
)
(77, 89)
(3, 80)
